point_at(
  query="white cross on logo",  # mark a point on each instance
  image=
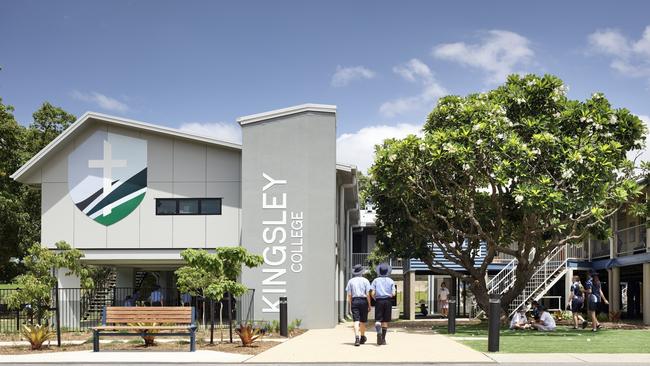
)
(107, 165)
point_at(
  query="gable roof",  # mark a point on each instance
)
(89, 117)
(302, 108)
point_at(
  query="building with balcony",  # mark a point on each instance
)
(623, 262)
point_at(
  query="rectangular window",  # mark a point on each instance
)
(211, 206)
(165, 206)
(188, 206)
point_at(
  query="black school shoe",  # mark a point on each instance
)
(363, 339)
(357, 342)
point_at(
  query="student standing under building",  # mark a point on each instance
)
(595, 295)
(443, 299)
(576, 300)
(383, 290)
(358, 290)
(156, 297)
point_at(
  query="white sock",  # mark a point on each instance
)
(356, 329)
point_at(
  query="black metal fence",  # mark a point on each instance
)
(80, 309)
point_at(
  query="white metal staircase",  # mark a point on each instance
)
(545, 276)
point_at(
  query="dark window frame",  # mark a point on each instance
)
(199, 211)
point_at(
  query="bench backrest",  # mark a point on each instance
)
(115, 315)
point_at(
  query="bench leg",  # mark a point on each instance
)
(95, 341)
(192, 340)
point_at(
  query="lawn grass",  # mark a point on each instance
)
(563, 340)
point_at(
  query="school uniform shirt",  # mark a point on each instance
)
(595, 291)
(358, 287)
(443, 293)
(547, 320)
(383, 287)
(156, 296)
(575, 288)
(518, 319)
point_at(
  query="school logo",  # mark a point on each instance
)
(107, 176)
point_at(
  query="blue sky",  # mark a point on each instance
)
(200, 65)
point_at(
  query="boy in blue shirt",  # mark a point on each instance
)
(383, 291)
(358, 290)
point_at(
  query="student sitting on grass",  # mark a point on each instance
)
(546, 322)
(519, 320)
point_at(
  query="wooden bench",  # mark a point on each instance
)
(173, 320)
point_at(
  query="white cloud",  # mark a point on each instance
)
(629, 57)
(102, 101)
(498, 54)
(344, 75)
(223, 131)
(359, 148)
(415, 71)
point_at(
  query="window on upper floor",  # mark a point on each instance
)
(188, 206)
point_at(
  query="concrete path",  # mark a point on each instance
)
(118, 358)
(571, 358)
(337, 345)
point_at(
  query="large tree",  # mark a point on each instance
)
(521, 169)
(20, 204)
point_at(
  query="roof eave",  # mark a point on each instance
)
(23, 170)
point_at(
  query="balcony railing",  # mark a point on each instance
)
(362, 259)
(631, 240)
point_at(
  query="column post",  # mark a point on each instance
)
(646, 293)
(568, 280)
(409, 295)
(615, 289)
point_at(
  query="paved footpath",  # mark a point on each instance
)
(335, 346)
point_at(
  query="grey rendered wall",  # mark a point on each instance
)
(175, 168)
(301, 150)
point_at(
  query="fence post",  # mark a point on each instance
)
(211, 321)
(230, 315)
(58, 314)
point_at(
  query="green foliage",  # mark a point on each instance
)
(363, 183)
(37, 283)
(274, 327)
(37, 334)
(211, 275)
(521, 168)
(20, 204)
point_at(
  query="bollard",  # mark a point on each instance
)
(284, 328)
(494, 316)
(451, 316)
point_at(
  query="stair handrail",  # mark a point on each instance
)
(562, 252)
(505, 273)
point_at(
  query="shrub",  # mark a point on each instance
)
(37, 334)
(248, 334)
(149, 340)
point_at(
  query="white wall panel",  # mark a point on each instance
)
(57, 212)
(189, 231)
(155, 231)
(223, 165)
(189, 161)
(223, 230)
